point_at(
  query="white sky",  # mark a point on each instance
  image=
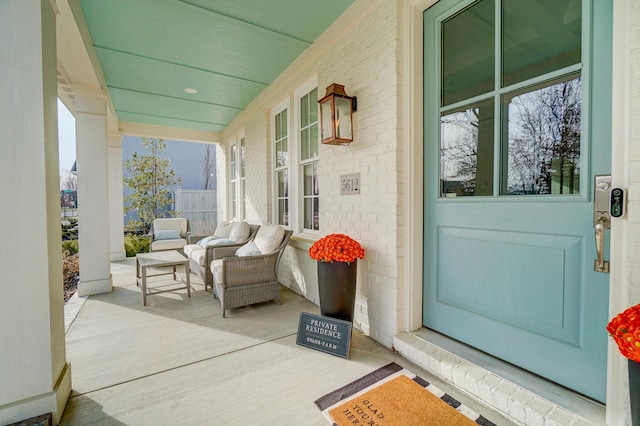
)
(66, 137)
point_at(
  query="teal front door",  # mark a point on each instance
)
(517, 123)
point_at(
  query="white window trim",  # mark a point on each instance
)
(236, 180)
(277, 109)
(296, 187)
(296, 155)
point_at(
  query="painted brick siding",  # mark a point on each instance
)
(365, 61)
(633, 166)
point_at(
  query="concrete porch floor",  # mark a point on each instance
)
(178, 362)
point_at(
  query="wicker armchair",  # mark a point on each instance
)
(242, 281)
(169, 234)
(200, 258)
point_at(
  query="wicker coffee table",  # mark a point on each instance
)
(157, 259)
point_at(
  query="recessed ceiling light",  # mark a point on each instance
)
(190, 91)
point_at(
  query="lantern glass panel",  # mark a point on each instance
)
(343, 118)
(327, 120)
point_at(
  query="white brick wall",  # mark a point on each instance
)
(365, 62)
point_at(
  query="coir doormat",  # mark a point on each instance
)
(393, 396)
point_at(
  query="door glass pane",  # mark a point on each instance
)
(542, 140)
(468, 45)
(466, 150)
(539, 37)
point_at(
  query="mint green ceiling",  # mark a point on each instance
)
(228, 50)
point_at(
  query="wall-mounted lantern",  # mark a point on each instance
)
(336, 122)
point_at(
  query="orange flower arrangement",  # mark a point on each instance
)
(625, 330)
(336, 248)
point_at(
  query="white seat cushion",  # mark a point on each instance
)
(198, 256)
(216, 270)
(268, 238)
(189, 248)
(159, 245)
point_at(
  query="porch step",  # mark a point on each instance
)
(523, 406)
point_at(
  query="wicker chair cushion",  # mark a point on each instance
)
(189, 248)
(268, 238)
(223, 230)
(239, 232)
(176, 244)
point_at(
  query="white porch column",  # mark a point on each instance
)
(93, 193)
(116, 209)
(35, 378)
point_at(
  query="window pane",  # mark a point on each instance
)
(539, 37)
(242, 162)
(316, 213)
(283, 184)
(243, 205)
(308, 213)
(313, 142)
(468, 44)
(308, 179)
(278, 126)
(284, 126)
(283, 212)
(304, 144)
(543, 140)
(304, 111)
(466, 151)
(313, 106)
(282, 156)
(234, 200)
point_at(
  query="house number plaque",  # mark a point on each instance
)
(350, 184)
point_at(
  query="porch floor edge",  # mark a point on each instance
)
(516, 403)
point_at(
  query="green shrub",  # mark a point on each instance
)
(134, 244)
(71, 246)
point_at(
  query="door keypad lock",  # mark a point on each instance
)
(617, 202)
(607, 203)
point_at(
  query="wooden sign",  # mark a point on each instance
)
(324, 334)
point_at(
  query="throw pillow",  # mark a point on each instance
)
(167, 234)
(239, 232)
(203, 242)
(249, 249)
(223, 230)
(220, 242)
(269, 237)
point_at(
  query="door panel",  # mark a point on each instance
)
(545, 300)
(509, 239)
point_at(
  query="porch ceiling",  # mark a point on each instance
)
(150, 51)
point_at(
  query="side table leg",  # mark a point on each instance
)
(144, 286)
(188, 273)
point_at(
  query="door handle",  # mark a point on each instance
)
(600, 265)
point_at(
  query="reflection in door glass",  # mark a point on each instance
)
(543, 140)
(466, 150)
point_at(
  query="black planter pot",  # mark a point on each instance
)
(337, 288)
(634, 391)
